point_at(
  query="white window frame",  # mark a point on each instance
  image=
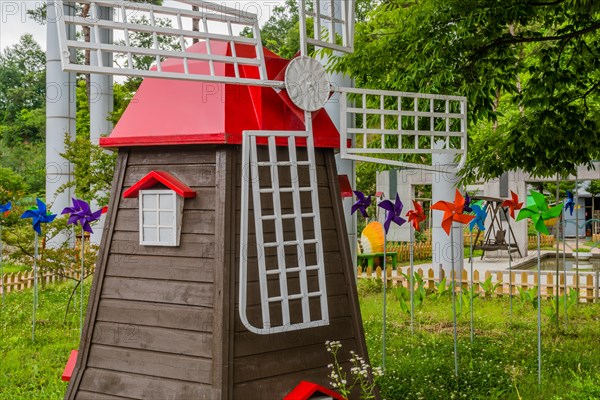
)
(177, 211)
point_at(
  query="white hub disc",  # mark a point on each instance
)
(307, 83)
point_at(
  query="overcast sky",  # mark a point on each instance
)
(14, 21)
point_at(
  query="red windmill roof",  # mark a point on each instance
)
(171, 112)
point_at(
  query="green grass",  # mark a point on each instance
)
(33, 370)
(9, 268)
(501, 363)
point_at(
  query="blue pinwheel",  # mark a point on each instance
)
(82, 214)
(570, 204)
(4, 208)
(393, 212)
(479, 220)
(362, 203)
(39, 216)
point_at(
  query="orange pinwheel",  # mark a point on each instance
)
(512, 204)
(453, 212)
(416, 216)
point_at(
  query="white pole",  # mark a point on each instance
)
(564, 226)
(81, 281)
(101, 104)
(510, 277)
(60, 117)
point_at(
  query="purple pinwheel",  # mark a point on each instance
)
(467, 207)
(570, 204)
(393, 212)
(39, 216)
(82, 214)
(362, 203)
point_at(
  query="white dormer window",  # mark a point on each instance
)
(161, 196)
(161, 214)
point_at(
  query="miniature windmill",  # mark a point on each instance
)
(281, 255)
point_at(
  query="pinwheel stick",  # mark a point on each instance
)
(471, 282)
(564, 255)
(35, 285)
(81, 278)
(412, 281)
(539, 310)
(384, 299)
(454, 302)
(1, 268)
(510, 275)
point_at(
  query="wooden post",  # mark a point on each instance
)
(589, 284)
(430, 279)
(476, 284)
(549, 285)
(525, 281)
(500, 289)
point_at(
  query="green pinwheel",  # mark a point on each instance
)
(539, 212)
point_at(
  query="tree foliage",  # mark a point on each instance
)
(540, 61)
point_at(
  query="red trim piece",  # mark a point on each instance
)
(155, 177)
(305, 390)
(378, 194)
(66, 375)
(345, 187)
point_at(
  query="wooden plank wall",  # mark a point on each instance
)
(269, 366)
(151, 321)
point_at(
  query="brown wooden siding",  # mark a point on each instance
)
(152, 317)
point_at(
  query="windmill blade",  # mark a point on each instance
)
(333, 24)
(402, 129)
(287, 233)
(217, 26)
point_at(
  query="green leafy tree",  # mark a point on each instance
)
(538, 60)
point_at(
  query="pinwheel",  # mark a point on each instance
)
(453, 212)
(81, 214)
(467, 206)
(415, 217)
(570, 203)
(539, 212)
(362, 203)
(512, 204)
(4, 209)
(39, 216)
(479, 220)
(393, 211)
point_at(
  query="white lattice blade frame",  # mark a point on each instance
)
(250, 166)
(361, 152)
(208, 15)
(326, 19)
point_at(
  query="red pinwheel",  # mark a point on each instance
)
(512, 204)
(393, 212)
(416, 216)
(82, 214)
(453, 212)
(362, 203)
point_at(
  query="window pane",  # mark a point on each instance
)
(150, 235)
(166, 235)
(149, 218)
(166, 218)
(149, 201)
(166, 201)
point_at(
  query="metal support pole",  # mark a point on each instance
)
(35, 285)
(471, 285)
(510, 276)
(564, 226)
(1, 269)
(557, 226)
(454, 303)
(577, 236)
(81, 281)
(539, 310)
(384, 299)
(412, 282)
